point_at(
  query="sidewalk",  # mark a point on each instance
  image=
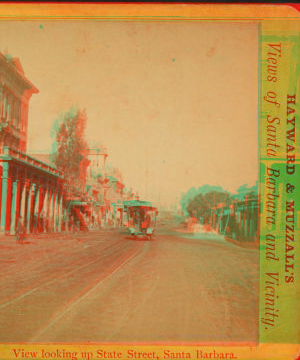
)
(244, 244)
(197, 233)
(12, 240)
(55, 235)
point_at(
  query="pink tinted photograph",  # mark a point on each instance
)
(129, 182)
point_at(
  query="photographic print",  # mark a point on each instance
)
(149, 181)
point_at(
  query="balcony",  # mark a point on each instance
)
(6, 151)
(10, 128)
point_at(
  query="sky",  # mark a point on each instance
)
(174, 103)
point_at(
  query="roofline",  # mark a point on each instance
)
(33, 88)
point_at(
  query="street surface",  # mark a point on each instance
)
(106, 286)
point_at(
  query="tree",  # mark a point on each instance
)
(69, 147)
(187, 197)
(201, 204)
(246, 190)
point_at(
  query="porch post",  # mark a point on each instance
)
(15, 186)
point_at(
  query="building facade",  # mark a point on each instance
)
(238, 219)
(97, 161)
(31, 191)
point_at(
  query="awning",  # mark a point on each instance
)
(129, 203)
(79, 203)
(118, 206)
(99, 203)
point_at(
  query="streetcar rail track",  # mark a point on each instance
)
(57, 254)
(89, 289)
(37, 263)
(133, 306)
(54, 278)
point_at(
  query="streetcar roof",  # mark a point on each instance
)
(129, 203)
(145, 207)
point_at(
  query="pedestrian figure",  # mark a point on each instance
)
(57, 224)
(71, 224)
(146, 223)
(20, 231)
(35, 224)
(41, 224)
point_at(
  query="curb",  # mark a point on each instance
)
(247, 245)
(5, 238)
